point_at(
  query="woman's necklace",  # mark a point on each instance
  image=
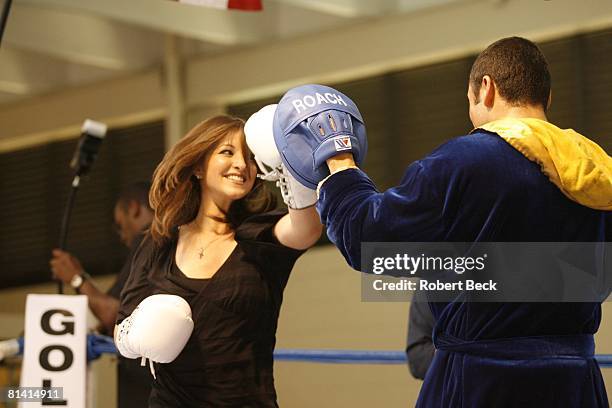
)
(205, 247)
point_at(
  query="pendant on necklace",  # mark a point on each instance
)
(201, 252)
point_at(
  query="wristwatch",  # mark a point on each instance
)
(77, 281)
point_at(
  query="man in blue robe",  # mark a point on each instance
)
(515, 178)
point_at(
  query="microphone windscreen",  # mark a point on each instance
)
(91, 127)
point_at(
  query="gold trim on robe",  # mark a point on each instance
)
(578, 166)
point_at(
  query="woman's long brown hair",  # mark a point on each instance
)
(175, 191)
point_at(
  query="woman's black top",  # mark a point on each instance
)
(227, 362)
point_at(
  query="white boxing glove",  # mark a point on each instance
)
(158, 329)
(260, 139)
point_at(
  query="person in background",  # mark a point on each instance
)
(419, 343)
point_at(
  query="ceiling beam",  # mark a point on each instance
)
(118, 102)
(365, 8)
(342, 8)
(207, 24)
(82, 39)
(27, 73)
(411, 6)
(24, 73)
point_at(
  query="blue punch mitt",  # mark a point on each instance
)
(313, 123)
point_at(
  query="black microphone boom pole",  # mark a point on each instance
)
(92, 134)
(4, 17)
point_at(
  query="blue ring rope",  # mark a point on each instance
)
(369, 357)
(101, 344)
(351, 356)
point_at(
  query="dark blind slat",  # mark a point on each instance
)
(35, 184)
(430, 107)
(598, 87)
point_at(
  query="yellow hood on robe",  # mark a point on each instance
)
(575, 164)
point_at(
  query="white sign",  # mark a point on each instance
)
(55, 352)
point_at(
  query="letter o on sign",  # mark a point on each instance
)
(43, 358)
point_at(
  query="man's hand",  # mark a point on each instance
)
(341, 162)
(65, 266)
(104, 307)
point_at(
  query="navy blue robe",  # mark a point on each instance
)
(479, 188)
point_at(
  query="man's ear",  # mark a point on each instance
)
(134, 209)
(549, 100)
(487, 91)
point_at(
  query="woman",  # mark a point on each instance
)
(217, 243)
